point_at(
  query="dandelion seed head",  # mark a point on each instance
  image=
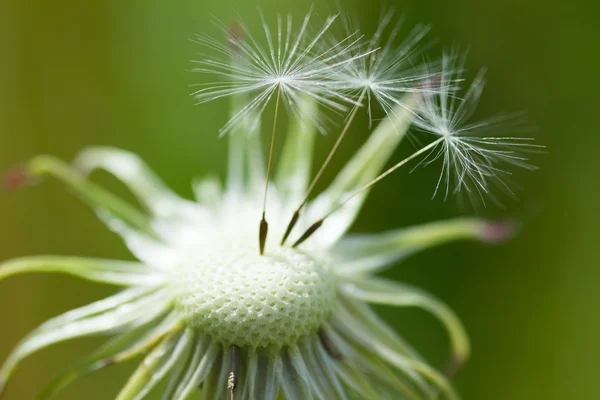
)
(220, 314)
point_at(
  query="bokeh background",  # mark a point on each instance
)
(74, 74)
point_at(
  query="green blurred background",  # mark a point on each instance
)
(74, 74)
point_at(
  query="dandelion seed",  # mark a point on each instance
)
(292, 66)
(472, 153)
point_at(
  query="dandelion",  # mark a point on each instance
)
(215, 314)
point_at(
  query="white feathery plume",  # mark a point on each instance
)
(472, 153)
(389, 70)
(295, 62)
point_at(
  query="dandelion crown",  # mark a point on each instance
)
(254, 290)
